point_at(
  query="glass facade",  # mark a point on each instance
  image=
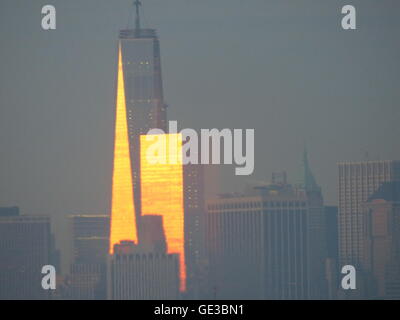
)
(144, 93)
(123, 220)
(162, 189)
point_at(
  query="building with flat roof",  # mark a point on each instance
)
(357, 182)
(264, 244)
(90, 242)
(26, 245)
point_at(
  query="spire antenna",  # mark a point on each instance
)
(137, 4)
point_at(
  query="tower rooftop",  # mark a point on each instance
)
(137, 33)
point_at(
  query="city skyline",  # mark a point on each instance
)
(77, 102)
(180, 109)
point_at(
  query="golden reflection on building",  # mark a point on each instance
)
(123, 220)
(162, 189)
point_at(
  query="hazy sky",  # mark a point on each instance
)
(284, 68)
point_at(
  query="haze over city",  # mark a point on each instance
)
(283, 68)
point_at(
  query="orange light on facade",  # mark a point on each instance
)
(123, 220)
(162, 189)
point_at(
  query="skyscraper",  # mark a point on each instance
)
(162, 190)
(316, 231)
(331, 236)
(261, 244)
(251, 250)
(171, 191)
(381, 258)
(145, 106)
(140, 107)
(25, 247)
(195, 211)
(90, 236)
(144, 270)
(358, 181)
(135, 273)
(123, 217)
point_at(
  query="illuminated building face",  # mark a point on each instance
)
(123, 220)
(162, 189)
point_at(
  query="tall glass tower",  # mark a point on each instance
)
(139, 188)
(143, 91)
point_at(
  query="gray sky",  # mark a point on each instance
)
(284, 68)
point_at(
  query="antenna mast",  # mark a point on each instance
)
(137, 4)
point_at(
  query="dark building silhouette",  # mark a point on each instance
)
(260, 246)
(257, 244)
(316, 232)
(9, 211)
(26, 246)
(332, 254)
(153, 237)
(195, 211)
(268, 243)
(331, 216)
(90, 237)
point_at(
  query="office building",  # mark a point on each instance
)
(260, 245)
(381, 260)
(145, 270)
(140, 188)
(332, 254)
(162, 191)
(25, 247)
(143, 89)
(357, 182)
(90, 237)
(195, 212)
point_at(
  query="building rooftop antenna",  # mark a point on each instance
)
(137, 5)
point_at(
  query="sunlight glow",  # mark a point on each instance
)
(162, 191)
(123, 220)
